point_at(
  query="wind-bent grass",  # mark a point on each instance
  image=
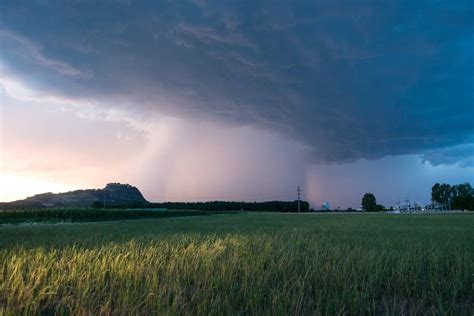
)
(242, 264)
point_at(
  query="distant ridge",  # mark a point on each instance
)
(117, 195)
(114, 194)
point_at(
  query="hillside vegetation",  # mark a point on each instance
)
(113, 195)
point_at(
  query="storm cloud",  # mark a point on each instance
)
(350, 80)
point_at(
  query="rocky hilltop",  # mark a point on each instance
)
(114, 194)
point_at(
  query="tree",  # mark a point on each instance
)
(369, 203)
(441, 193)
(463, 189)
(462, 196)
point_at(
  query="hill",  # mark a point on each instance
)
(114, 194)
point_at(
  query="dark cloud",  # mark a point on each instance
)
(351, 80)
(463, 155)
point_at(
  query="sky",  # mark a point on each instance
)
(237, 100)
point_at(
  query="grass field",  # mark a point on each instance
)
(242, 264)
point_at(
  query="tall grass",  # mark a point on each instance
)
(278, 264)
(88, 214)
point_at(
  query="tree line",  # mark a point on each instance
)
(456, 197)
(459, 197)
(269, 206)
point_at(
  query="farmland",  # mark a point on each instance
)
(241, 264)
(60, 215)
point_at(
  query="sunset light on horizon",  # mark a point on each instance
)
(216, 102)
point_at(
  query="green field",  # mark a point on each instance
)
(281, 264)
(60, 215)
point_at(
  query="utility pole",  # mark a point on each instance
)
(299, 195)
